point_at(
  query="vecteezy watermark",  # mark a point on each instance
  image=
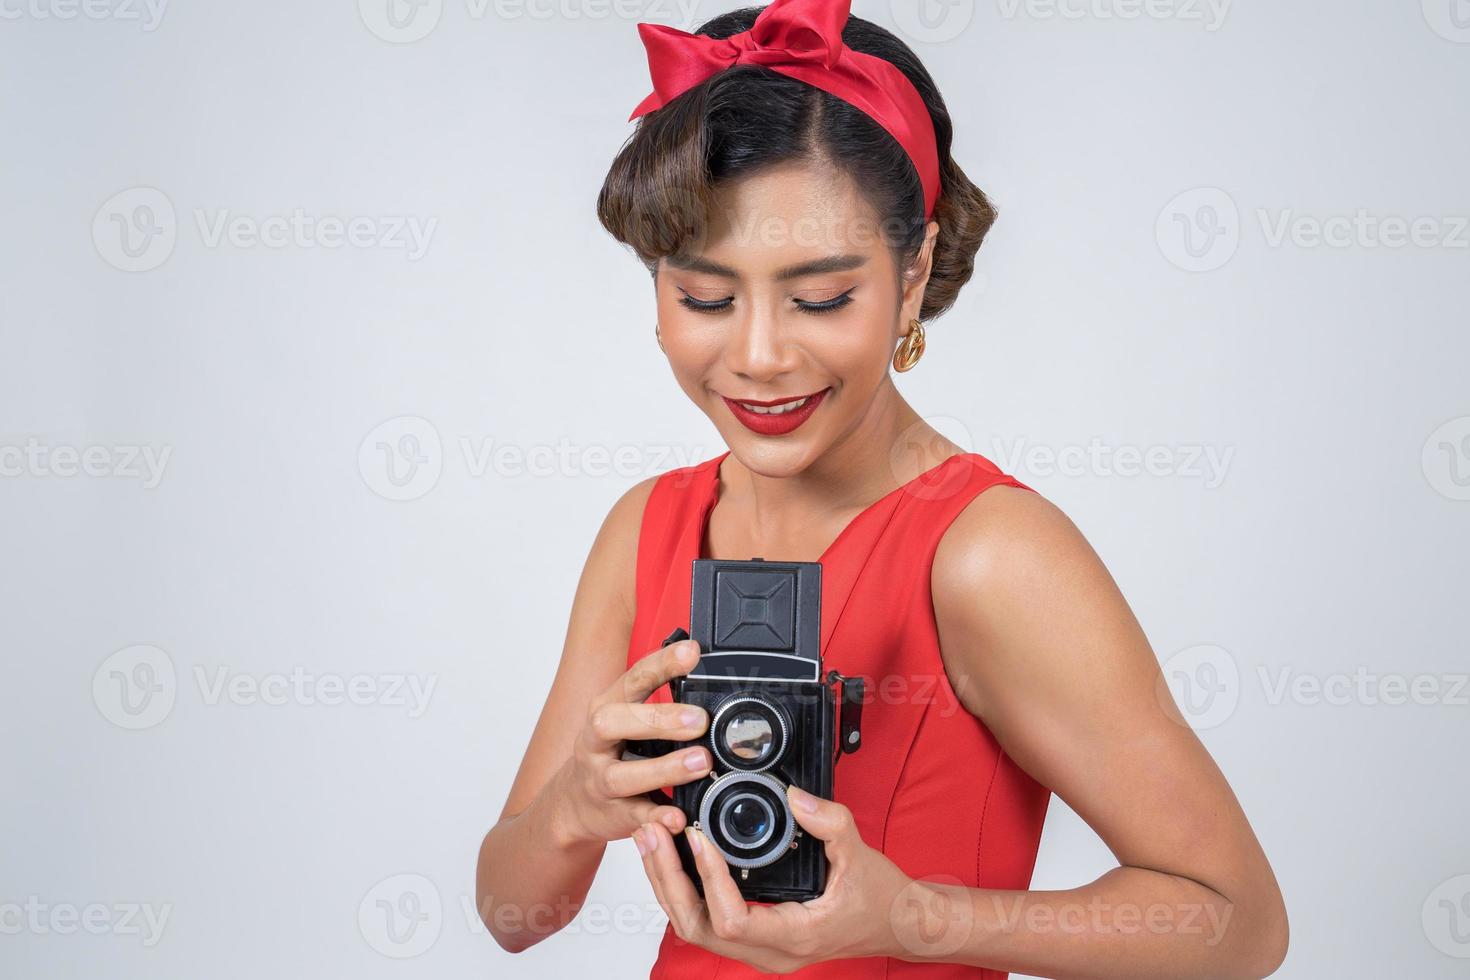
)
(1200, 230)
(589, 919)
(1201, 686)
(932, 21)
(404, 457)
(1363, 229)
(1211, 14)
(136, 230)
(1201, 683)
(38, 459)
(1446, 459)
(306, 689)
(135, 688)
(1207, 464)
(1363, 686)
(1450, 19)
(138, 686)
(40, 918)
(932, 916)
(401, 916)
(148, 14)
(1446, 917)
(407, 21)
(401, 459)
(1100, 917)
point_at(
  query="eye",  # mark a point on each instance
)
(827, 305)
(706, 306)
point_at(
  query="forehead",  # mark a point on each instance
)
(787, 214)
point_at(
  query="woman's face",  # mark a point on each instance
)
(793, 294)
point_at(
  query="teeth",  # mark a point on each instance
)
(776, 409)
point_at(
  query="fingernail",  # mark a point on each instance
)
(696, 842)
(638, 843)
(688, 651)
(650, 839)
(694, 760)
(690, 716)
(801, 799)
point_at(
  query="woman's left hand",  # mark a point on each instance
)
(854, 915)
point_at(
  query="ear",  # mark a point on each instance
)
(916, 278)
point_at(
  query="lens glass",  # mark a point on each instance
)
(747, 820)
(749, 736)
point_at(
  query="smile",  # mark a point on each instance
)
(777, 416)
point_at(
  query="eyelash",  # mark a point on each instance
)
(816, 309)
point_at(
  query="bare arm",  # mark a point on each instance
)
(1044, 648)
(572, 794)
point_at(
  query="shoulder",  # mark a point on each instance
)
(1018, 595)
(1005, 532)
(612, 563)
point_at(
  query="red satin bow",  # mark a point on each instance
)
(801, 39)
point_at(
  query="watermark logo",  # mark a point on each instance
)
(135, 230)
(1446, 917)
(932, 917)
(135, 688)
(932, 21)
(1446, 459)
(400, 21)
(1450, 19)
(1200, 683)
(402, 458)
(401, 916)
(1199, 230)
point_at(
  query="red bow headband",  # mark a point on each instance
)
(801, 39)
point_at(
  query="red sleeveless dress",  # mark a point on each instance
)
(930, 787)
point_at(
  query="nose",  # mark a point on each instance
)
(759, 348)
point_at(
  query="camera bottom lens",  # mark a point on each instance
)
(744, 814)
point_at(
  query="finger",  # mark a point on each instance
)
(727, 909)
(678, 891)
(646, 811)
(618, 721)
(826, 820)
(730, 917)
(659, 667)
(639, 841)
(634, 777)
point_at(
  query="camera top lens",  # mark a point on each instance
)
(748, 733)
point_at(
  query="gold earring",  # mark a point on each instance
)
(911, 349)
(657, 337)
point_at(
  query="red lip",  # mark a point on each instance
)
(775, 425)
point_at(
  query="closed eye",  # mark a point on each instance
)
(826, 305)
(706, 306)
(721, 305)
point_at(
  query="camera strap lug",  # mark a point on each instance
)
(850, 714)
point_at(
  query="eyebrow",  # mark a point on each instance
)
(832, 263)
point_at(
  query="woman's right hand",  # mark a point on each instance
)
(602, 797)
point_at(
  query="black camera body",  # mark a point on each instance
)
(775, 720)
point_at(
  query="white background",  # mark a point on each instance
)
(1329, 545)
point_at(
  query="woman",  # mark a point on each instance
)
(791, 190)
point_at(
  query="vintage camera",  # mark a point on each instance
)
(775, 719)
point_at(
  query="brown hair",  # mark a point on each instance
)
(660, 189)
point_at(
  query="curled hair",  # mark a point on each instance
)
(660, 189)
